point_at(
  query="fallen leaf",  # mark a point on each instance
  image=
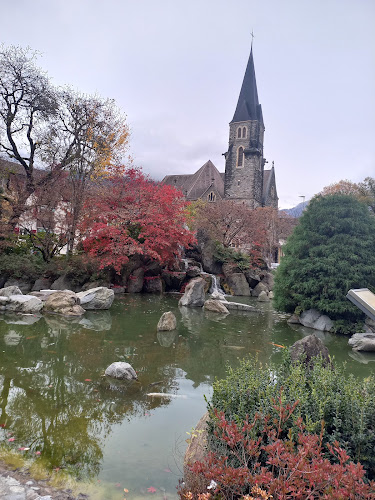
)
(126, 491)
(23, 448)
(151, 489)
(33, 337)
(38, 452)
(52, 352)
(3, 425)
(11, 439)
(88, 380)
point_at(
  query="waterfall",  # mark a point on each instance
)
(215, 288)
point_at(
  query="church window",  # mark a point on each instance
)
(240, 157)
(239, 133)
(244, 132)
(211, 197)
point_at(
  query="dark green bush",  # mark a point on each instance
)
(20, 266)
(329, 252)
(344, 403)
(226, 254)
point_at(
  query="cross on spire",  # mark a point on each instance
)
(252, 37)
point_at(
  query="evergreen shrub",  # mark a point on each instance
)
(345, 404)
(21, 266)
(329, 252)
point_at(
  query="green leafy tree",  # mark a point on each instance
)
(329, 252)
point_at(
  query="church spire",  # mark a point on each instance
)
(248, 107)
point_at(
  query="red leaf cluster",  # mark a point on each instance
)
(130, 214)
(258, 458)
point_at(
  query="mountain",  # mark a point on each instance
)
(297, 210)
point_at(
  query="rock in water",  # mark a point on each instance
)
(121, 371)
(362, 342)
(215, 306)
(315, 319)
(64, 302)
(96, 298)
(167, 322)
(309, 348)
(194, 294)
(26, 304)
(263, 297)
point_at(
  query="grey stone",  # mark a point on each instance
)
(23, 285)
(194, 295)
(238, 284)
(62, 283)
(309, 348)
(173, 280)
(121, 371)
(96, 298)
(362, 342)
(95, 284)
(237, 306)
(270, 294)
(135, 281)
(215, 306)
(218, 296)
(268, 280)
(293, 320)
(263, 296)
(153, 284)
(314, 319)
(41, 283)
(193, 271)
(10, 290)
(167, 322)
(63, 302)
(26, 304)
(260, 287)
(252, 277)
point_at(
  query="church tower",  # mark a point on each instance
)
(244, 162)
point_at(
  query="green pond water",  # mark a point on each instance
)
(109, 436)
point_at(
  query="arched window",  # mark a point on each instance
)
(211, 197)
(240, 157)
(239, 133)
(244, 132)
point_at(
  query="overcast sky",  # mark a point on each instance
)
(176, 67)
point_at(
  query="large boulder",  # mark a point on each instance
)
(10, 290)
(362, 342)
(194, 293)
(96, 298)
(153, 284)
(95, 284)
(237, 306)
(196, 452)
(215, 306)
(41, 284)
(315, 319)
(252, 278)
(193, 271)
(268, 280)
(3, 303)
(62, 283)
(260, 287)
(121, 371)
(63, 302)
(167, 322)
(25, 304)
(209, 264)
(238, 284)
(307, 349)
(135, 281)
(23, 285)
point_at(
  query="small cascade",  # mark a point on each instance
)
(186, 264)
(215, 287)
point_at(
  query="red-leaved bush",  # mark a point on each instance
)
(296, 467)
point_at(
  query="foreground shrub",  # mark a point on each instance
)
(21, 266)
(344, 403)
(330, 251)
(269, 466)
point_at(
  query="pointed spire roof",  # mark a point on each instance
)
(248, 107)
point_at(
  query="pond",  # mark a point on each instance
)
(56, 403)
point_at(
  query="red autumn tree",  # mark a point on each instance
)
(129, 214)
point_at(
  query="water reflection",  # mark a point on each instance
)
(55, 399)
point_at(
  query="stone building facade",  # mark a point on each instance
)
(245, 180)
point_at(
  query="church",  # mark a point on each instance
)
(245, 179)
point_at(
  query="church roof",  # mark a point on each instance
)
(195, 185)
(269, 180)
(248, 107)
